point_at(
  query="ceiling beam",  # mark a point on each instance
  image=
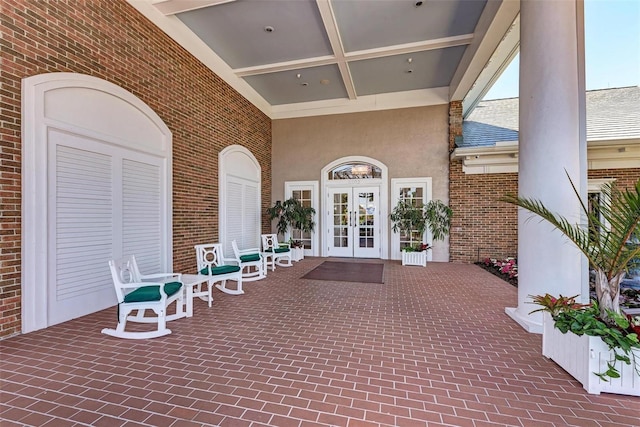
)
(383, 101)
(400, 49)
(285, 66)
(331, 27)
(172, 7)
(500, 60)
(494, 23)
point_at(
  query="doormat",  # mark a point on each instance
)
(362, 272)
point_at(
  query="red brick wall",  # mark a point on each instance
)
(455, 123)
(112, 41)
(482, 226)
(625, 178)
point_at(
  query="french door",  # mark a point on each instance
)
(354, 222)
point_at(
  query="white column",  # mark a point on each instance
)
(552, 144)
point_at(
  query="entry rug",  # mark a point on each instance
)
(362, 272)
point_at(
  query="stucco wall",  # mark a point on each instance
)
(411, 142)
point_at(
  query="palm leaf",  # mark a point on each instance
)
(605, 238)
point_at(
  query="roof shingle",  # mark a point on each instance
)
(611, 114)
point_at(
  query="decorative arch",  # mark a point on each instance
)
(382, 182)
(240, 195)
(101, 141)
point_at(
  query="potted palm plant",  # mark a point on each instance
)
(292, 215)
(606, 239)
(412, 219)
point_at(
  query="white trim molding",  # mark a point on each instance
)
(503, 157)
(396, 185)
(314, 186)
(382, 183)
(238, 164)
(101, 113)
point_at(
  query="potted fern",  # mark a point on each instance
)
(606, 239)
(412, 219)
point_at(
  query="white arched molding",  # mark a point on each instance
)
(240, 195)
(87, 112)
(382, 183)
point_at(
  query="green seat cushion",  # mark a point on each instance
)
(152, 293)
(278, 250)
(250, 257)
(223, 269)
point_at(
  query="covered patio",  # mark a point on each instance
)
(429, 347)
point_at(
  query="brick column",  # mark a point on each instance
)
(455, 123)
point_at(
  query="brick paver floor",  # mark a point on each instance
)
(429, 347)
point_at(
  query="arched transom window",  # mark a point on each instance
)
(355, 170)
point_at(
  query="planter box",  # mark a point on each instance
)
(297, 254)
(414, 258)
(581, 356)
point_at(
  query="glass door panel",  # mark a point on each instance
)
(354, 222)
(367, 224)
(340, 228)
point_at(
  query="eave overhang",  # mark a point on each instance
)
(503, 157)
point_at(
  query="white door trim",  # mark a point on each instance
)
(396, 184)
(382, 183)
(289, 187)
(95, 108)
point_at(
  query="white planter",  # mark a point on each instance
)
(297, 254)
(581, 356)
(414, 258)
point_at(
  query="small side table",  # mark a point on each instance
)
(189, 281)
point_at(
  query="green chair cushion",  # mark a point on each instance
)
(222, 269)
(250, 257)
(278, 250)
(152, 293)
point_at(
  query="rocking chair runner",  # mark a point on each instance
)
(134, 293)
(251, 263)
(211, 262)
(275, 253)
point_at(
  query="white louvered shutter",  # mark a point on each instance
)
(251, 216)
(83, 233)
(233, 211)
(141, 214)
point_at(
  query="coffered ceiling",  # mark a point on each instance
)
(296, 58)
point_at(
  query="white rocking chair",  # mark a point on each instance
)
(211, 262)
(251, 263)
(275, 253)
(135, 294)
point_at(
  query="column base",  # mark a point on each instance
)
(525, 321)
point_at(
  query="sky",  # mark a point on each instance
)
(612, 49)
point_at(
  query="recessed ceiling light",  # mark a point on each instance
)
(409, 71)
(304, 84)
(269, 29)
(418, 3)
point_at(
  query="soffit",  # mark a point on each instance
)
(332, 56)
